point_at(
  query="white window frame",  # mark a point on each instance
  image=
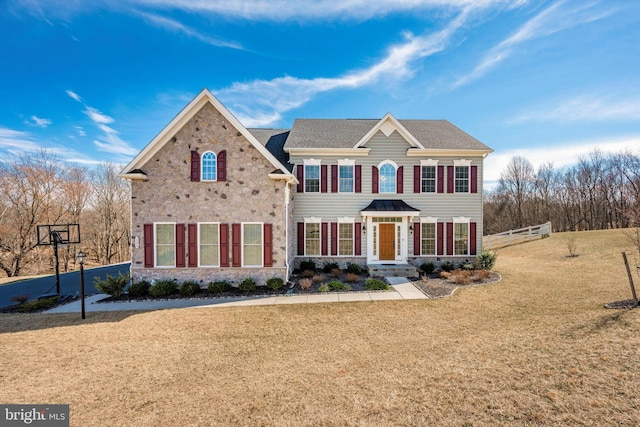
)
(350, 221)
(347, 163)
(315, 163)
(200, 264)
(434, 221)
(395, 176)
(155, 244)
(202, 166)
(461, 220)
(313, 220)
(243, 244)
(462, 163)
(429, 163)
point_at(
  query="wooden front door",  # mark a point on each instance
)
(387, 242)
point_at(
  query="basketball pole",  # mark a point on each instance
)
(56, 238)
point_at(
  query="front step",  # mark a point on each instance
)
(392, 270)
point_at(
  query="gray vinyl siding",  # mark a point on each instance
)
(444, 206)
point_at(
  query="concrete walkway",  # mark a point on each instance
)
(403, 289)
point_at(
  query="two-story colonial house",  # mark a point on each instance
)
(212, 199)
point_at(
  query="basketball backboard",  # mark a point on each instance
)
(58, 233)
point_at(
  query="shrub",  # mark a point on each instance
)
(353, 278)
(219, 287)
(305, 284)
(346, 287)
(445, 274)
(318, 278)
(163, 288)
(335, 285)
(486, 260)
(139, 289)
(354, 268)
(323, 288)
(308, 273)
(189, 288)
(467, 266)
(480, 275)
(428, 267)
(572, 246)
(37, 304)
(336, 272)
(308, 265)
(329, 266)
(20, 299)
(447, 266)
(112, 286)
(461, 277)
(376, 285)
(247, 285)
(275, 283)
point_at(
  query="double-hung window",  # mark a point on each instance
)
(462, 175)
(312, 178)
(428, 238)
(208, 241)
(252, 244)
(461, 238)
(345, 178)
(312, 238)
(428, 179)
(345, 238)
(165, 245)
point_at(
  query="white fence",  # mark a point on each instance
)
(513, 237)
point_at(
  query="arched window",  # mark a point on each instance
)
(209, 167)
(387, 178)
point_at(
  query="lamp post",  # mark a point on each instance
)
(80, 256)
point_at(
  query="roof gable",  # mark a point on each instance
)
(183, 117)
(387, 125)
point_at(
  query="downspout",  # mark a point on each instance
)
(287, 194)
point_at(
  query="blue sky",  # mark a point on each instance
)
(95, 81)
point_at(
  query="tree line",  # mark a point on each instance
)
(600, 191)
(38, 188)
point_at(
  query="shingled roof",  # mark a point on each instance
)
(274, 140)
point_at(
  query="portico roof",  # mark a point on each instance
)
(389, 207)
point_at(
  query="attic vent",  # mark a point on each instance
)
(387, 128)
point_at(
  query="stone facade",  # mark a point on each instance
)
(247, 195)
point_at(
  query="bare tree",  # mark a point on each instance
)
(516, 182)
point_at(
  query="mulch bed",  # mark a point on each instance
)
(437, 287)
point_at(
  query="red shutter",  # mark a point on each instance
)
(236, 248)
(334, 238)
(334, 178)
(148, 246)
(472, 238)
(399, 179)
(222, 165)
(440, 179)
(358, 180)
(323, 178)
(357, 239)
(474, 179)
(195, 166)
(450, 179)
(301, 238)
(440, 237)
(449, 238)
(374, 179)
(324, 238)
(192, 235)
(300, 176)
(224, 245)
(417, 228)
(416, 179)
(180, 246)
(268, 245)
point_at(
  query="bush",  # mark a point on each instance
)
(323, 288)
(336, 285)
(189, 288)
(346, 288)
(139, 289)
(486, 260)
(112, 286)
(308, 273)
(247, 285)
(480, 275)
(318, 278)
(336, 272)
(163, 288)
(467, 266)
(354, 268)
(376, 285)
(20, 299)
(308, 265)
(37, 304)
(461, 277)
(428, 267)
(353, 278)
(329, 266)
(447, 266)
(275, 283)
(219, 287)
(305, 284)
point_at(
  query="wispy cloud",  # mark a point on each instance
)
(74, 95)
(38, 122)
(584, 108)
(560, 16)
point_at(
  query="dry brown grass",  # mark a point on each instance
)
(537, 348)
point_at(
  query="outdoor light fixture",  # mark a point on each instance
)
(80, 256)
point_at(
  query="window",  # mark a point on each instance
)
(208, 239)
(312, 238)
(312, 178)
(165, 245)
(461, 238)
(252, 245)
(462, 179)
(345, 238)
(387, 178)
(209, 167)
(345, 178)
(428, 179)
(428, 238)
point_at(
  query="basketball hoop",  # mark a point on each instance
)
(58, 236)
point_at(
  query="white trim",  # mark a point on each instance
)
(351, 152)
(387, 124)
(428, 162)
(352, 165)
(462, 162)
(312, 162)
(312, 219)
(155, 245)
(416, 152)
(428, 219)
(242, 244)
(388, 161)
(402, 246)
(215, 157)
(461, 219)
(346, 219)
(346, 162)
(200, 249)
